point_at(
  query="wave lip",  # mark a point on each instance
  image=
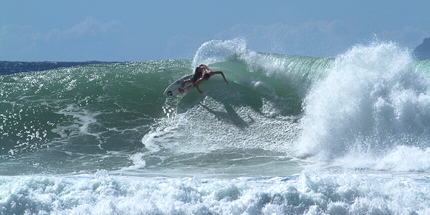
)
(219, 50)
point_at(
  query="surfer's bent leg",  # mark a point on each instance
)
(185, 81)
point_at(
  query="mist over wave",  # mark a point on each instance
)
(372, 110)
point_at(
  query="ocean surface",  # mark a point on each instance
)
(288, 135)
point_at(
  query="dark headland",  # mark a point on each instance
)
(422, 51)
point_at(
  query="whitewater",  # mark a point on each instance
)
(289, 134)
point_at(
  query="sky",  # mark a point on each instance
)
(131, 30)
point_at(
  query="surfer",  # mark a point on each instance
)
(202, 73)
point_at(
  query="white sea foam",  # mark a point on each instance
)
(307, 193)
(83, 119)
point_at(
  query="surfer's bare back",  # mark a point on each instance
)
(202, 73)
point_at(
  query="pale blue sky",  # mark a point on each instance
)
(130, 30)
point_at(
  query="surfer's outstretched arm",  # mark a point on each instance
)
(219, 72)
(197, 85)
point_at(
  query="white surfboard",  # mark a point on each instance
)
(175, 88)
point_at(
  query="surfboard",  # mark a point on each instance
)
(176, 89)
